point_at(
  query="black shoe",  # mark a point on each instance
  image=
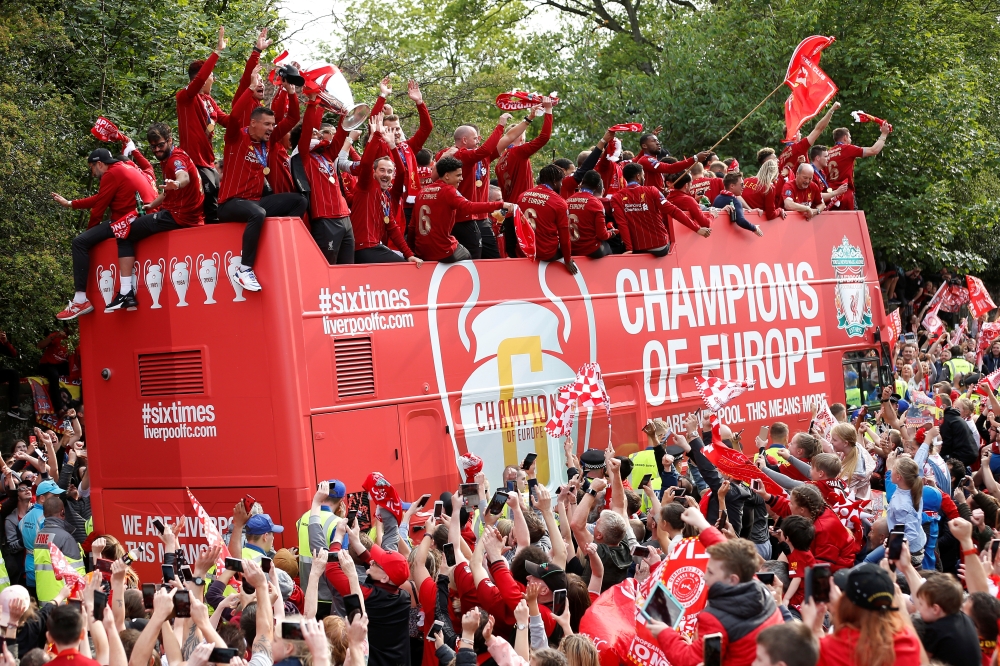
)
(123, 301)
(16, 413)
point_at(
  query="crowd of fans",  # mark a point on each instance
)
(397, 201)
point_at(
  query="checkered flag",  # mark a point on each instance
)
(989, 384)
(586, 392)
(560, 424)
(718, 392)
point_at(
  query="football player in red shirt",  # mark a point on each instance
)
(437, 206)
(797, 152)
(653, 167)
(547, 214)
(643, 215)
(802, 193)
(513, 169)
(818, 159)
(588, 230)
(121, 183)
(408, 180)
(181, 203)
(680, 196)
(841, 158)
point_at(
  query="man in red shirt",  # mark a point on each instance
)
(514, 167)
(797, 152)
(437, 206)
(475, 232)
(280, 178)
(643, 215)
(802, 193)
(818, 158)
(840, 162)
(546, 212)
(122, 185)
(588, 230)
(65, 629)
(197, 115)
(408, 179)
(653, 167)
(181, 203)
(241, 193)
(680, 196)
(373, 212)
(704, 184)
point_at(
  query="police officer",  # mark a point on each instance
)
(54, 531)
(852, 392)
(956, 366)
(315, 529)
(260, 531)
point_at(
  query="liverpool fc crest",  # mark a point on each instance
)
(853, 301)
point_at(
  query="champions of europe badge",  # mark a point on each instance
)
(854, 300)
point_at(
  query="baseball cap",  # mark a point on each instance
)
(337, 489)
(592, 459)
(262, 524)
(553, 577)
(102, 155)
(49, 487)
(392, 563)
(867, 586)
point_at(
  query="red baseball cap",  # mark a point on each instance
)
(392, 563)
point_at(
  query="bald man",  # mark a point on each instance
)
(803, 194)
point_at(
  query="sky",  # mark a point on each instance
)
(309, 23)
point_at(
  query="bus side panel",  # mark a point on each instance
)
(428, 455)
(350, 445)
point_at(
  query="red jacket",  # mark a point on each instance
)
(738, 612)
(834, 543)
(117, 191)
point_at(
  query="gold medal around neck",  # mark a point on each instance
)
(266, 170)
(210, 128)
(386, 219)
(479, 183)
(333, 181)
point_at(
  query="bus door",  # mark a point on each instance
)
(349, 445)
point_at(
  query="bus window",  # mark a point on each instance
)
(861, 382)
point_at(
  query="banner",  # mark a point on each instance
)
(988, 334)
(895, 328)
(65, 572)
(525, 234)
(811, 88)
(211, 531)
(733, 463)
(932, 322)
(980, 302)
(105, 130)
(517, 100)
(825, 420)
(718, 392)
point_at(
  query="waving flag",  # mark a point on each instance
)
(525, 234)
(718, 392)
(862, 117)
(586, 392)
(980, 302)
(105, 130)
(64, 571)
(825, 420)
(988, 334)
(733, 463)
(383, 494)
(811, 88)
(211, 531)
(932, 322)
(895, 328)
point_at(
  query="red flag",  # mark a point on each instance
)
(988, 333)
(733, 463)
(990, 382)
(626, 127)
(383, 494)
(211, 531)
(811, 88)
(525, 234)
(105, 130)
(65, 572)
(932, 322)
(895, 328)
(980, 302)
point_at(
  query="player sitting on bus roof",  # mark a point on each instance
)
(803, 194)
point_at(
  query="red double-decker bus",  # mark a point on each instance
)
(336, 371)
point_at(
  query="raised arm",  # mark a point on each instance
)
(198, 82)
(419, 138)
(876, 148)
(821, 125)
(558, 546)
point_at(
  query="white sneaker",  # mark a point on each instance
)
(247, 279)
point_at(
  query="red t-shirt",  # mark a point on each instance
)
(697, 218)
(546, 212)
(706, 186)
(797, 563)
(514, 166)
(794, 154)
(475, 185)
(320, 163)
(434, 217)
(71, 657)
(840, 166)
(280, 178)
(195, 111)
(56, 351)
(587, 226)
(840, 648)
(117, 191)
(643, 214)
(611, 174)
(654, 169)
(809, 196)
(759, 199)
(185, 205)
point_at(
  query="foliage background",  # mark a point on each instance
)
(694, 67)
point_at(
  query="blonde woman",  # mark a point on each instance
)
(579, 651)
(858, 464)
(758, 191)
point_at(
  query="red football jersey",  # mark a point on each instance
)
(654, 169)
(639, 213)
(475, 185)
(687, 203)
(434, 216)
(196, 113)
(546, 212)
(794, 154)
(117, 190)
(840, 166)
(759, 199)
(809, 196)
(587, 226)
(320, 164)
(514, 166)
(186, 204)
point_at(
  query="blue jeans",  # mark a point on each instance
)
(876, 555)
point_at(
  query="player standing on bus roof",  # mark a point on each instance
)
(588, 230)
(546, 211)
(840, 162)
(797, 152)
(643, 215)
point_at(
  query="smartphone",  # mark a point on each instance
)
(764, 432)
(894, 549)
(168, 572)
(679, 493)
(528, 461)
(643, 481)
(76, 603)
(756, 484)
(712, 652)
(158, 524)
(558, 602)
(449, 553)
(435, 629)
(586, 484)
(186, 573)
(818, 583)
(265, 564)
(221, 655)
(100, 602)
(662, 606)
(994, 545)
(469, 489)
(438, 509)
(291, 631)
(352, 516)
(640, 551)
(423, 500)
(352, 607)
(104, 565)
(511, 486)
(248, 502)
(182, 603)
(497, 503)
(148, 592)
(234, 564)
(766, 577)
(32, 440)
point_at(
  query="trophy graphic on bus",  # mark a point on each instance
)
(106, 283)
(180, 275)
(154, 280)
(233, 265)
(208, 273)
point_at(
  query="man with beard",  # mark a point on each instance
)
(408, 181)
(797, 152)
(653, 167)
